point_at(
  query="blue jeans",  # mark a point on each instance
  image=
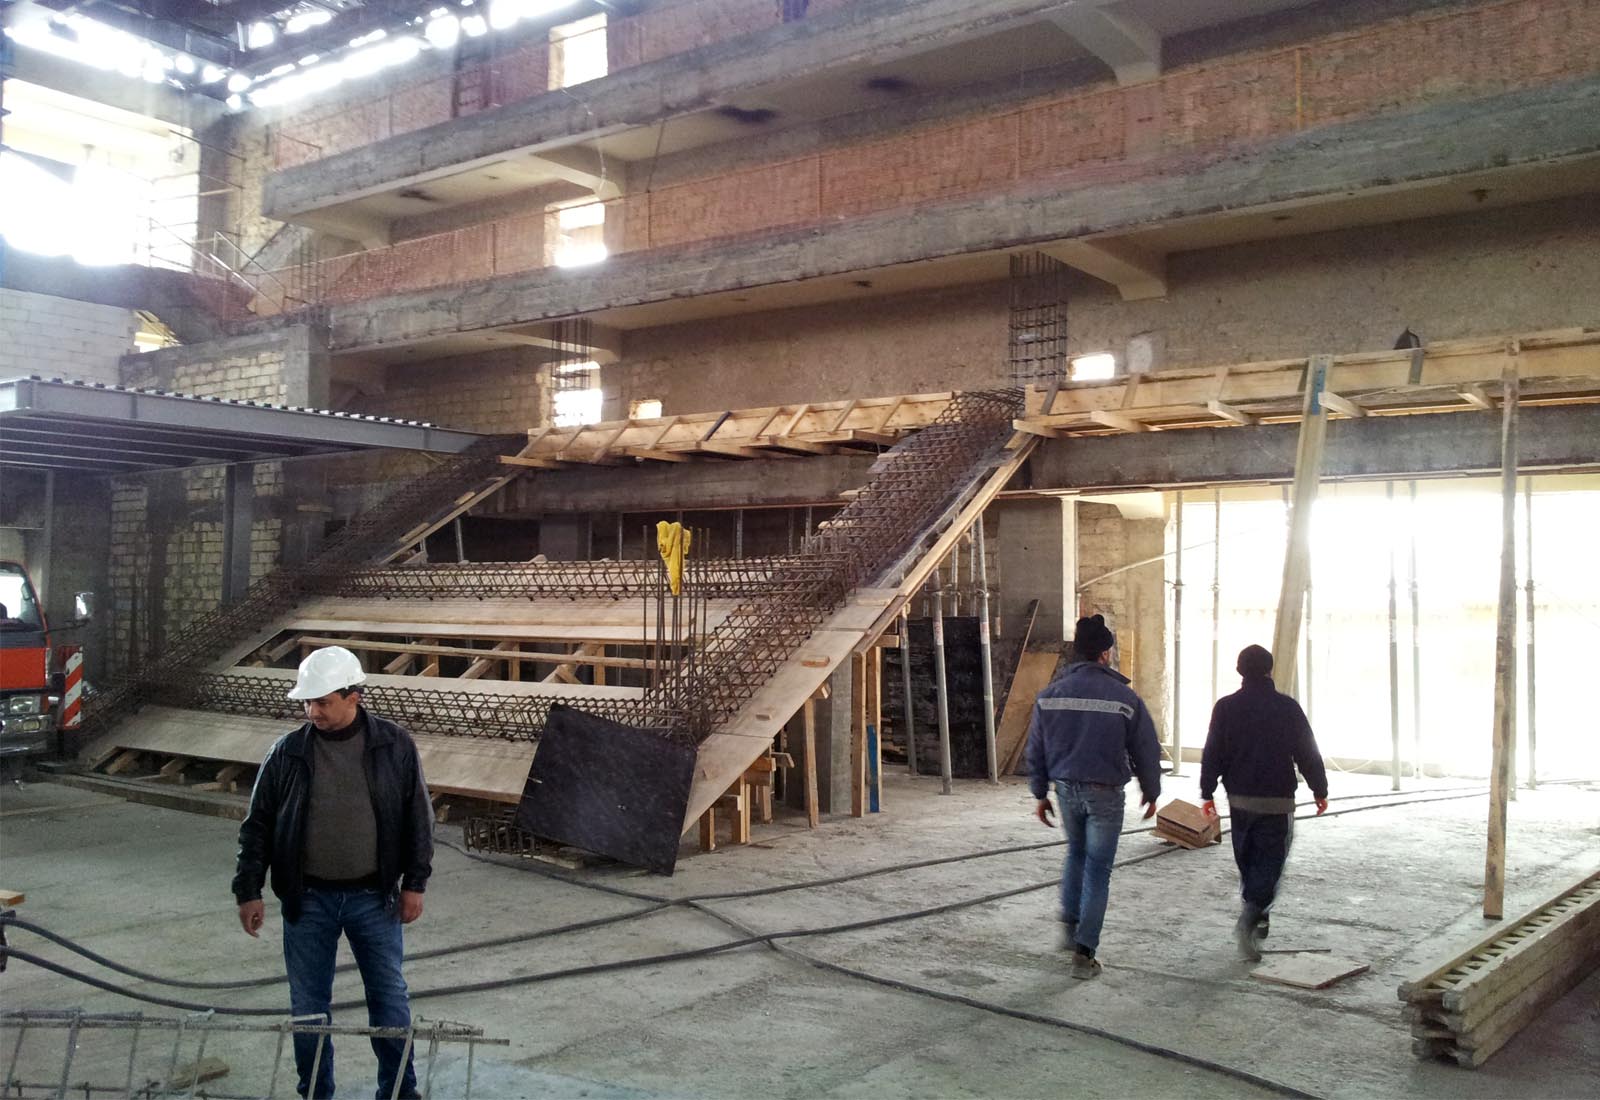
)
(1091, 816)
(310, 944)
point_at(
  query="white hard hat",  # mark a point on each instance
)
(325, 671)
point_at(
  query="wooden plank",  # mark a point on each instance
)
(809, 709)
(1297, 559)
(844, 414)
(1119, 420)
(10, 899)
(1034, 672)
(1505, 657)
(1307, 971)
(858, 735)
(1230, 412)
(1342, 405)
(1472, 393)
(123, 763)
(1420, 985)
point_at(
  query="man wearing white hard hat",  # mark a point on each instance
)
(340, 821)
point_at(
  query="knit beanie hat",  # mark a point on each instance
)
(1092, 637)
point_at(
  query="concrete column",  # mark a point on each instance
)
(565, 538)
(306, 366)
(238, 516)
(1038, 561)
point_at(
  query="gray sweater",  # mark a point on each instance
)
(341, 842)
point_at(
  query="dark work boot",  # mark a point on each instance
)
(1244, 934)
(1085, 967)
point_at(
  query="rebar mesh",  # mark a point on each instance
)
(1037, 346)
(709, 674)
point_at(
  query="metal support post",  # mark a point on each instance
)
(461, 544)
(1394, 646)
(1177, 642)
(1416, 644)
(945, 773)
(981, 577)
(238, 508)
(905, 687)
(738, 533)
(1216, 596)
(1533, 740)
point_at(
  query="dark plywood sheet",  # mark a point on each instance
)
(616, 790)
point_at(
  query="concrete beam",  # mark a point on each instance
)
(583, 167)
(683, 84)
(1425, 148)
(687, 485)
(604, 346)
(1557, 437)
(191, 110)
(1128, 45)
(1137, 273)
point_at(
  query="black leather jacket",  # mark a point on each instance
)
(273, 834)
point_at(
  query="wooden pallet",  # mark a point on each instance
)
(1470, 1006)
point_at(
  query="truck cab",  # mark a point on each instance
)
(27, 721)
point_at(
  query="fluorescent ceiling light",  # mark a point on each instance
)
(1091, 368)
(443, 31)
(475, 26)
(238, 82)
(305, 20)
(211, 74)
(260, 36)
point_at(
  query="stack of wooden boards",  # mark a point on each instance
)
(1187, 825)
(1469, 1007)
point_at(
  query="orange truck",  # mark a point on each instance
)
(40, 688)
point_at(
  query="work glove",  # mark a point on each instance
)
(1209, 806)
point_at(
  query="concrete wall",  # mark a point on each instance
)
(62, 338)
(1133, 602)
(1511, 270)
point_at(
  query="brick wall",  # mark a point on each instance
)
(62, 338)
(166, 528)
(501, 391)
(1063, 139)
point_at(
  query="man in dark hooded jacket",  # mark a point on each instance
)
(1258, 736)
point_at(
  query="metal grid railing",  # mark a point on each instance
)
(71, 1053)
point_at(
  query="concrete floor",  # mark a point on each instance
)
(1395, 887)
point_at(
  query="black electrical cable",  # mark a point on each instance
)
(1022, 1014)
(770, 940)
(658, 903)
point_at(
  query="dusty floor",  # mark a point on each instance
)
(1395, 886)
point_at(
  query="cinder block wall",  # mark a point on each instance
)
(1486, 273)
(166, 563)
(63, 338)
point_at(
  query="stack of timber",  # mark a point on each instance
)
(1472, 1005)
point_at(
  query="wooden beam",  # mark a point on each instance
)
(1472, 393)
(530, 463)
(1118, 420)
(844, 414)
(1505, 654)
(1043, 431)
(1342, 405)
(858, 734)
(1297, 558)
(809, 712)
(1228, 412)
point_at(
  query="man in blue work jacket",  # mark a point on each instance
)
(1089, 735)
